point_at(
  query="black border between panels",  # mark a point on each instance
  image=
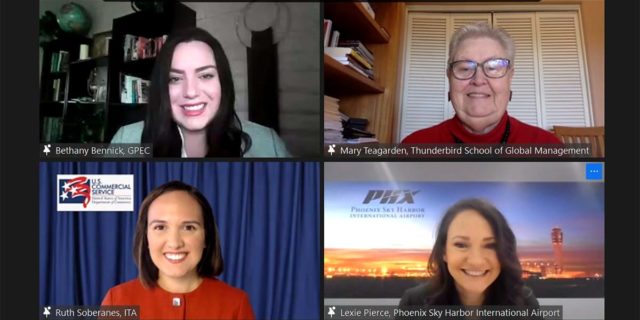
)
(19, 162)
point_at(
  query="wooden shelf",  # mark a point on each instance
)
(342, 79)
(360, 97)
(353, 20)
(91, 62)
(55, 75)
(128, 105)
(140, 68)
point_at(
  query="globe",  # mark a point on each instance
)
(73, 18)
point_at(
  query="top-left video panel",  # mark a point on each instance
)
(179, 80)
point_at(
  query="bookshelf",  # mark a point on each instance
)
(353, 18)
(140, 24)
(341, 79)
(73, 116)
(361, 97)
(55, 83)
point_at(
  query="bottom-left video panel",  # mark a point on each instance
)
(179, 240)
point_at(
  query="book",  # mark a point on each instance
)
(56, 90)
(350, 133)
(143, 90)
(55, 57)
(332, 120)
(137, 47)
(361, 140)
(63, 60)
(342, 55)
(141, 47)
(327, 32)
(133, 89)
(357, 69)
(335, 37)
(358, 46)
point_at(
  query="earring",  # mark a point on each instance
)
(449, 96)
(510, 95)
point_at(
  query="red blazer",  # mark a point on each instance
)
(213, 299)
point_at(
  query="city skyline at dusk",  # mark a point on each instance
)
(413, 263)
(377, 229)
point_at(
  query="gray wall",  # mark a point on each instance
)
(298, 53)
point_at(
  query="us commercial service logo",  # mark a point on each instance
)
(95, 192)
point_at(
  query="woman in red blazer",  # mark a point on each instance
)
(177, 251)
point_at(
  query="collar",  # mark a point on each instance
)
(183, 152)
(499, 134)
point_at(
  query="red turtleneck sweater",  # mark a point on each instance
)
(519, 132)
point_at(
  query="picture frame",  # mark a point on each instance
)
(100, 45)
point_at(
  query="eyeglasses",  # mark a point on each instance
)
(492, 68)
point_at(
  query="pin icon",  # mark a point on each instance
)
(331, 149)
(47, 311)
(332, 311)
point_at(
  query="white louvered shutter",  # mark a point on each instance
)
(562, 70)
(525, 104)
(425, 79)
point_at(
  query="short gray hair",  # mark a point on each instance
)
(482, 30)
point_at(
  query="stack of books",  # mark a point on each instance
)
(353, 54)
(340, 128)
(355, 131)
(133, 89)
(332, 120)
(59, 61)
(137, 48)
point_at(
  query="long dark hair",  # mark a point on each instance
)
(211, 263)
(507, 289)
(225, 137)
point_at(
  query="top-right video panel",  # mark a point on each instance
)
(463, 81)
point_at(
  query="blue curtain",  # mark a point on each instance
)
(268, 215)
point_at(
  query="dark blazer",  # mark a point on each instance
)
(417, 297)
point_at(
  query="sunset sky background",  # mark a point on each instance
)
(531, 208)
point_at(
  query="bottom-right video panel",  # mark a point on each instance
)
(455, 240)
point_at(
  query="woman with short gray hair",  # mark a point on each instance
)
(480, 97)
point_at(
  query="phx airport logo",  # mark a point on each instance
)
(390, 196)
(95, 192)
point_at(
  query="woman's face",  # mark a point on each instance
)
(175, 231)
(480, 102)
(470, 253)
(194, 85)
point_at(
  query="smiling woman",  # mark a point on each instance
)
(474, 261)
(480, 70)
(177, 251)
(191, 110)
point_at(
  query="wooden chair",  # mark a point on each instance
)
(591, 135)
